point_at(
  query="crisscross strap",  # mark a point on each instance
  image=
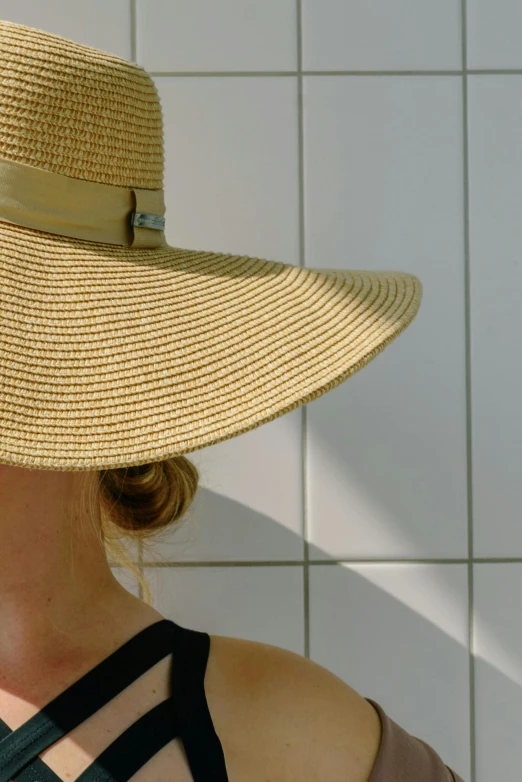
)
(133, 748)
(20, 747)
(200, 740)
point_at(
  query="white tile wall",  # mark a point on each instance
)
(494, 34)
(201, 35)
(259, 603)
(280, 144)
(235, 475)
(498, 668)
(383, 174)
(399, 634)
(495, 114)
(381, 35)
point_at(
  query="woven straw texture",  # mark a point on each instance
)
(115, 356)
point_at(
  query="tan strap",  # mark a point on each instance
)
(40, 199)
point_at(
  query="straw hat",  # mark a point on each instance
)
(117, 349)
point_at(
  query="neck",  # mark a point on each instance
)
(58, 594)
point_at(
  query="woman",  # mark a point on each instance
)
(119, 354)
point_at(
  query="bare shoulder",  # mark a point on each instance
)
(281, 716)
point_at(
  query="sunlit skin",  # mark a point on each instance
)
(58, 594)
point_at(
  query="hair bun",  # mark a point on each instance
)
(145, 498)
(136, 502)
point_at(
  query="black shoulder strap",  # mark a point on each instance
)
(200, 740)
(21, 747)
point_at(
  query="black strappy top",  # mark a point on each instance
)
(184, 714)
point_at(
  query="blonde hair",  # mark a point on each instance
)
(135, 503)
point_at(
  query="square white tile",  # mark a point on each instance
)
(262, 604)
(232, 35)
(231, 178)
(498, 670)
(398, 634)
(494, 31)
(249, 502)
(384, 191)
(104, 25)
(381, 35)
(495, 200)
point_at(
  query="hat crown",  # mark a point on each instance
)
(78, 111)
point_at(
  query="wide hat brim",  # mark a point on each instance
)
(113, 356)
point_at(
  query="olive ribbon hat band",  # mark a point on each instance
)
(92, 211)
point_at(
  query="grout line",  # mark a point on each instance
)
(304, 412)
(494, 71)
(300, 73)
(469, 420)
(133, 37)
(332, 562)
